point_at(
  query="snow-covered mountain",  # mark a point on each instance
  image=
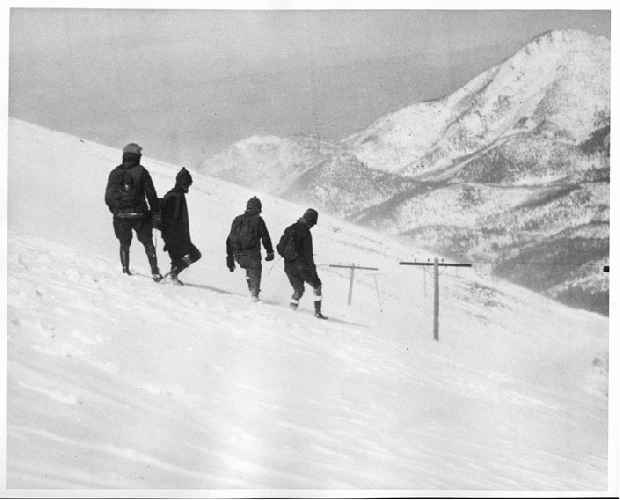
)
(305, 169)
(552, 239)
(119, 382)
(528, 139)
(519, 170)
(269, 163)
(557, 85)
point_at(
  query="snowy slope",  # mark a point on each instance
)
(118, 382)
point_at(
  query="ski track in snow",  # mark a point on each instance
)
(119, 382)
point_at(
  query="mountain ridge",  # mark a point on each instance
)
(483, 96)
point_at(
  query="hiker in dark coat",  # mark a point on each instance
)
(175, 227)
(299, 260)
(129, 186)
(247, 232)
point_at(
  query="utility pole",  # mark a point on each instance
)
(353, 267)
(436, 300)
(436, 265)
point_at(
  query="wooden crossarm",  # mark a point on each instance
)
(353, 266)
(444, 264)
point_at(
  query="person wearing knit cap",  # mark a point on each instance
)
(243, 245)
(299, 264)
(128, 189)
(175, 227)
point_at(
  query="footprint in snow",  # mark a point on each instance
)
(85, 339)
(73, 275)
(46, 325)
(43, 259)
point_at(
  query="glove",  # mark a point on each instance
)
(269, 257)
(156, 217)
(230, 263)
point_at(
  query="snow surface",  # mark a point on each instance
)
(118, 382)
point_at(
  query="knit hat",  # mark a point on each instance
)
(311, 216)
(254, 205)
(184, 178)
(132, 148)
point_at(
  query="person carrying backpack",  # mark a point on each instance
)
(129, 186)
(175, 227)
(295, 247)
(243, 245)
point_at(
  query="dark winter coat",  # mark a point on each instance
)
(303, 244)
(259, 228)
(175, 222)
(142, 186)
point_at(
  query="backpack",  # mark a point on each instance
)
(286, 246)
(244, 234)
(128, 191)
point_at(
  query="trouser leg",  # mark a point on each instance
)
(151, 255)
(312, 278)
(317, 303)
(122, 230)
(317, 294)
(298, 287)
(124, 254)
(253, 276)
(144, 230)
(253, 271)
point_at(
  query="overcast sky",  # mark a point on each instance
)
(187, 83)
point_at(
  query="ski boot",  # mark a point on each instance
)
(124, 252)
(173, 275)
(317, 310)
(174, 279)
(152, 257)
(294, 303)
(253, 289)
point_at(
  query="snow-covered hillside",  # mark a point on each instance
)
(119, 382)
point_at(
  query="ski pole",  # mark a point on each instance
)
(378, 293)
(270, 269)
